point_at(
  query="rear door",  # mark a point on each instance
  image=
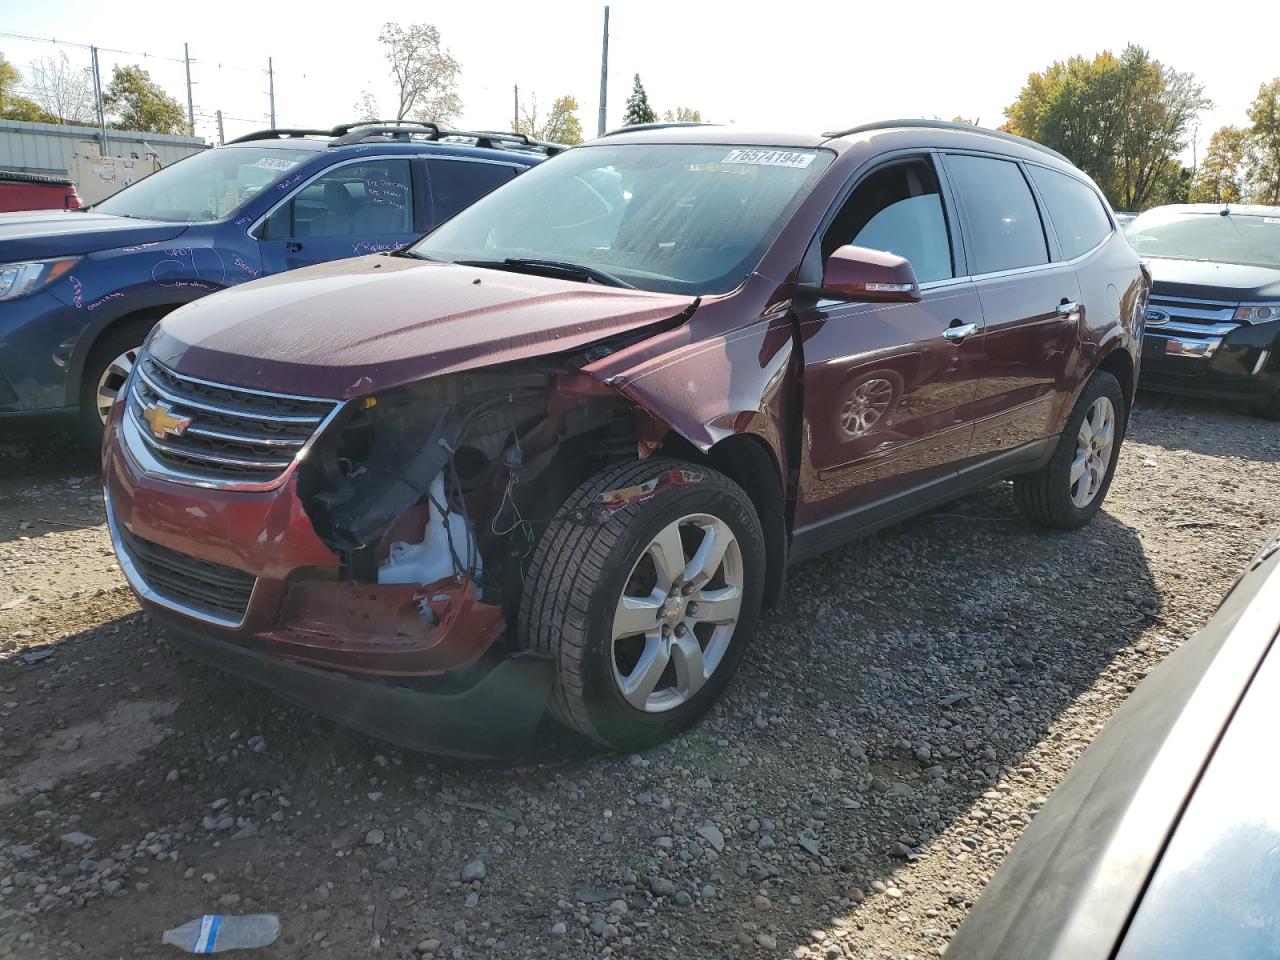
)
(888, 396)
(353, 208)
(1030, 304)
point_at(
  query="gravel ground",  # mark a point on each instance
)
(901, 718)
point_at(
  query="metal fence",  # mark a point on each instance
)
(49, 147)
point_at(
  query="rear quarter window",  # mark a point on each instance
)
(1079, 219)
(456, 184)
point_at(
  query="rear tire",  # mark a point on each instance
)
(108, 364)
(627, 685)
(1055, 496)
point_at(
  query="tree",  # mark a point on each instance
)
(638, 109)
(12, 105)
(683, 115)
(136, 102)
(1220, 178)
(426, 75)
(1123, 120)
(560, 126)
(366, 108)
(1263, 161)
(62, 90)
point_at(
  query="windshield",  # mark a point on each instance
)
(1233, 238)
(205, 186)
(678, 218)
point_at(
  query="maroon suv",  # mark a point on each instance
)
(564, 448)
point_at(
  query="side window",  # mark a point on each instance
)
(897, 209)
(352, 200)
(456, 184)
(1005, 231)
(1078, 217)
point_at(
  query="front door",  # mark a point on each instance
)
(350, 210)
(1031, 306)
(888, 393)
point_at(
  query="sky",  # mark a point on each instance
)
(796, 66)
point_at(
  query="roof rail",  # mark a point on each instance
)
(946, 125)
(280, 133)
(360, 131)
(660, 125)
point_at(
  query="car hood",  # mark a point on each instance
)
(40, 234)
(1203, 280)
(351, 327)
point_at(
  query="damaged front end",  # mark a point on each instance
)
(432, 496)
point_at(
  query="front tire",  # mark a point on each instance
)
(1070, 488)
(105, 372)
(648, 602)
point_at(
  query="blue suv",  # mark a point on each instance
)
(79, 291)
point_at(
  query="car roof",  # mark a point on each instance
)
(409, 136)
(410, 147)
(918, 132)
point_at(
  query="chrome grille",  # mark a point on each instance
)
(219, 433)
(198, 587)
(1208, 319)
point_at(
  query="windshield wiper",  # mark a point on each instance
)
(412, 255)
(533, 265)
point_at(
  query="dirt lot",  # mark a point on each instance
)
(901, 718)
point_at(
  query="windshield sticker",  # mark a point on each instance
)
(275, 163)
(770, 158)
(1271, 219)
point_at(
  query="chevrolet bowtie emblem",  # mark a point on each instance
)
(164, 422)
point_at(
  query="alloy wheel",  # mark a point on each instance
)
(1094, 442)
(676, 617)
(113, 380)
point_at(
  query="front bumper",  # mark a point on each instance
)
(1241, 364)
(374, 656)
(38, 338)
(495, 716)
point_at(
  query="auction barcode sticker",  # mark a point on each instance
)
(770, 158)
(275, 163)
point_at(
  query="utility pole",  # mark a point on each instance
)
(515, 121)
(271, 90)
(97, 101)
(221, 136)
(191, 110)
(604, 74)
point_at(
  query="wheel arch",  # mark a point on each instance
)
(749, 461)
(94, 336)
(1120, 365)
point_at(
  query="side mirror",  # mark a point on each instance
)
(860, 273)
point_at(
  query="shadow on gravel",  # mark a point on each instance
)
(40, 462)
(1212, 428)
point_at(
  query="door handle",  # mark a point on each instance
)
(958, 331)
(293, 246)
(1069, 309)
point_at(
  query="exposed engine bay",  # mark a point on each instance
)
(454, 477)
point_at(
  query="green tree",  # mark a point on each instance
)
(1263, 161)
(1123, 120)
(638, 109)
(136, 102)
(561, 125)
(1220, 177)
(13, 106)
(683, 115)
(425, 73)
